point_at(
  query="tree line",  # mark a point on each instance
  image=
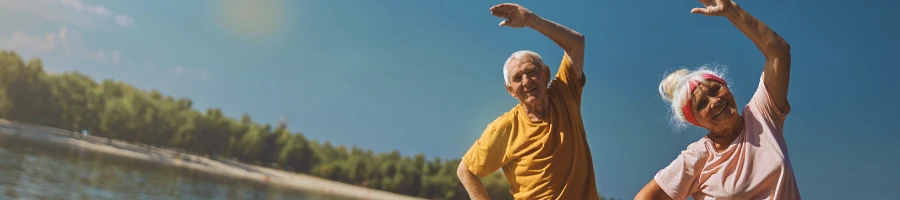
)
(117, 110)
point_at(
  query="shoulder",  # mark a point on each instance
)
(701, 145)
(679, 179)
(762, 108)
(695, 153)
(506, 121)
(697, 150)
(762, 101)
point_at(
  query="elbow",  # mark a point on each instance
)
(579, 38)
(574, 45)
(579, 41)
(779, 48)
(642, 195)
(462, 172)
(783, 48)
(652, 191)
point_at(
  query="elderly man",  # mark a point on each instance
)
(540, 143)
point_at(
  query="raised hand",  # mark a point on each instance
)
(715, 7)
(516, 15)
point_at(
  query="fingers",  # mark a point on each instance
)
(506, 10)
(700, 11)
(498, 8)
(503, 9)
(508, 7)
(499, 13)
(505, 6)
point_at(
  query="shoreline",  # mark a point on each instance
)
(226, 168)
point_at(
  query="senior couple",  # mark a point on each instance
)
(541, 147)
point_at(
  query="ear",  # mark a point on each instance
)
(547, 72)
(546, 75)
(509, 89)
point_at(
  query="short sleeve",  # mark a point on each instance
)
(763, 102)
(567, 81)
(680, 178)
(489, 152)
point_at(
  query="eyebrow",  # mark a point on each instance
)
(696, 101)
(524, 70)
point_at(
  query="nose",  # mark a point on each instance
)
(716, 101)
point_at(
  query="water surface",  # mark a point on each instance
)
(31, 170)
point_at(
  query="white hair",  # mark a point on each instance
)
(518, 55)
(674, 89)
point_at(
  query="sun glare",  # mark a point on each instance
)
(253, 20)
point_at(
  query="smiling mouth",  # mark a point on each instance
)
(721, 109)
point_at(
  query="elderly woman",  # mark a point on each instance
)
(744, 156)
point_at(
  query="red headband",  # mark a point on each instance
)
(686, 109)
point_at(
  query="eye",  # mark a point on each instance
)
(702, 103)
(714, 89)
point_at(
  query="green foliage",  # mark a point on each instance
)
(120, 111)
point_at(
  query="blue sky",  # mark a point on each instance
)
(425, 76)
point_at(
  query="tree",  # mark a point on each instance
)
(117, 110)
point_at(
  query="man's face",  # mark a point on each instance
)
(527, 81)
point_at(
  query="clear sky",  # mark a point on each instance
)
(425, 76)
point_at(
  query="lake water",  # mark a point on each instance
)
(39, 171)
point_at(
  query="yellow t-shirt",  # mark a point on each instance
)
(541, 160)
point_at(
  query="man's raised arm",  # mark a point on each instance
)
(569, 40)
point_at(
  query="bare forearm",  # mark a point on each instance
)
(767, 40)
(568, 39)
(652, 191)
(472, 183)
(777, 70)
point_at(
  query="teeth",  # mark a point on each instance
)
(721, 109)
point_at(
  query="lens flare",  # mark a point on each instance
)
(253, 20)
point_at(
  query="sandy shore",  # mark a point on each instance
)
(198, 163)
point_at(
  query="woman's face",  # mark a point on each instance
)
(713, 105)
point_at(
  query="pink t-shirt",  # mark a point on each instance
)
(755, 166)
